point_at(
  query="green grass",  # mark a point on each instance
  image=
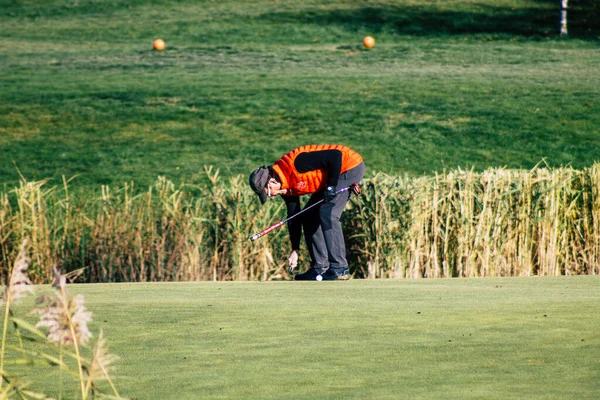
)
(431, 339)
(449, 83)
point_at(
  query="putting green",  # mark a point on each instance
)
(433, 339)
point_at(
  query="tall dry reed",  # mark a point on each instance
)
(466, 224)
(63, 320)
(459, 223)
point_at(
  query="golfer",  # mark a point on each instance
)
(318, 170)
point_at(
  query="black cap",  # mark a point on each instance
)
(259, 178)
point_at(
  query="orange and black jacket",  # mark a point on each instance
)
(310, 169)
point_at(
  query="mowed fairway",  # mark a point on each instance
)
(448, 84)
(526, 338)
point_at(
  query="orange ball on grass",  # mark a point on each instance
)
(368, 42)
(159, 44)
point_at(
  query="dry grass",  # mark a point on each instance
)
(496, 223)
(459, 223)
(65, 321)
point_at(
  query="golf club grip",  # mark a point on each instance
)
(269, 229)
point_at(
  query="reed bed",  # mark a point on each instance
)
(459, 223)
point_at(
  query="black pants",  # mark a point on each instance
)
(322, 227)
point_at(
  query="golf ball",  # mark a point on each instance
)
(319, 278)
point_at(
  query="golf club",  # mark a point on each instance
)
(354, 188)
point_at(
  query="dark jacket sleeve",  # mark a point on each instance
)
(294, 225)
(328, 160)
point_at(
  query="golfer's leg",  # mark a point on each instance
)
(330, 214)
(313, 234)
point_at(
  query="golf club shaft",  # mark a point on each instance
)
(281, 223)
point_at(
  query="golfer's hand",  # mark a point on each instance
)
(293, 260)
(329, 193)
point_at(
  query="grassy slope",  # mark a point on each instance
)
(460, 339)
(448, 84)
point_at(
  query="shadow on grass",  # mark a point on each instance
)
(428, 21)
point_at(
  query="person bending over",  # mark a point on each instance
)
(319, 171)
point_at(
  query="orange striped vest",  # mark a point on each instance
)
(298, 183)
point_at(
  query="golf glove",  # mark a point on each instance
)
(293, 260)
(329, 193)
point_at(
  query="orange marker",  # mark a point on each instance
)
(368, 42)
(159, 44)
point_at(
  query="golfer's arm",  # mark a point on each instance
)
(294, 225)
(329, 160)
